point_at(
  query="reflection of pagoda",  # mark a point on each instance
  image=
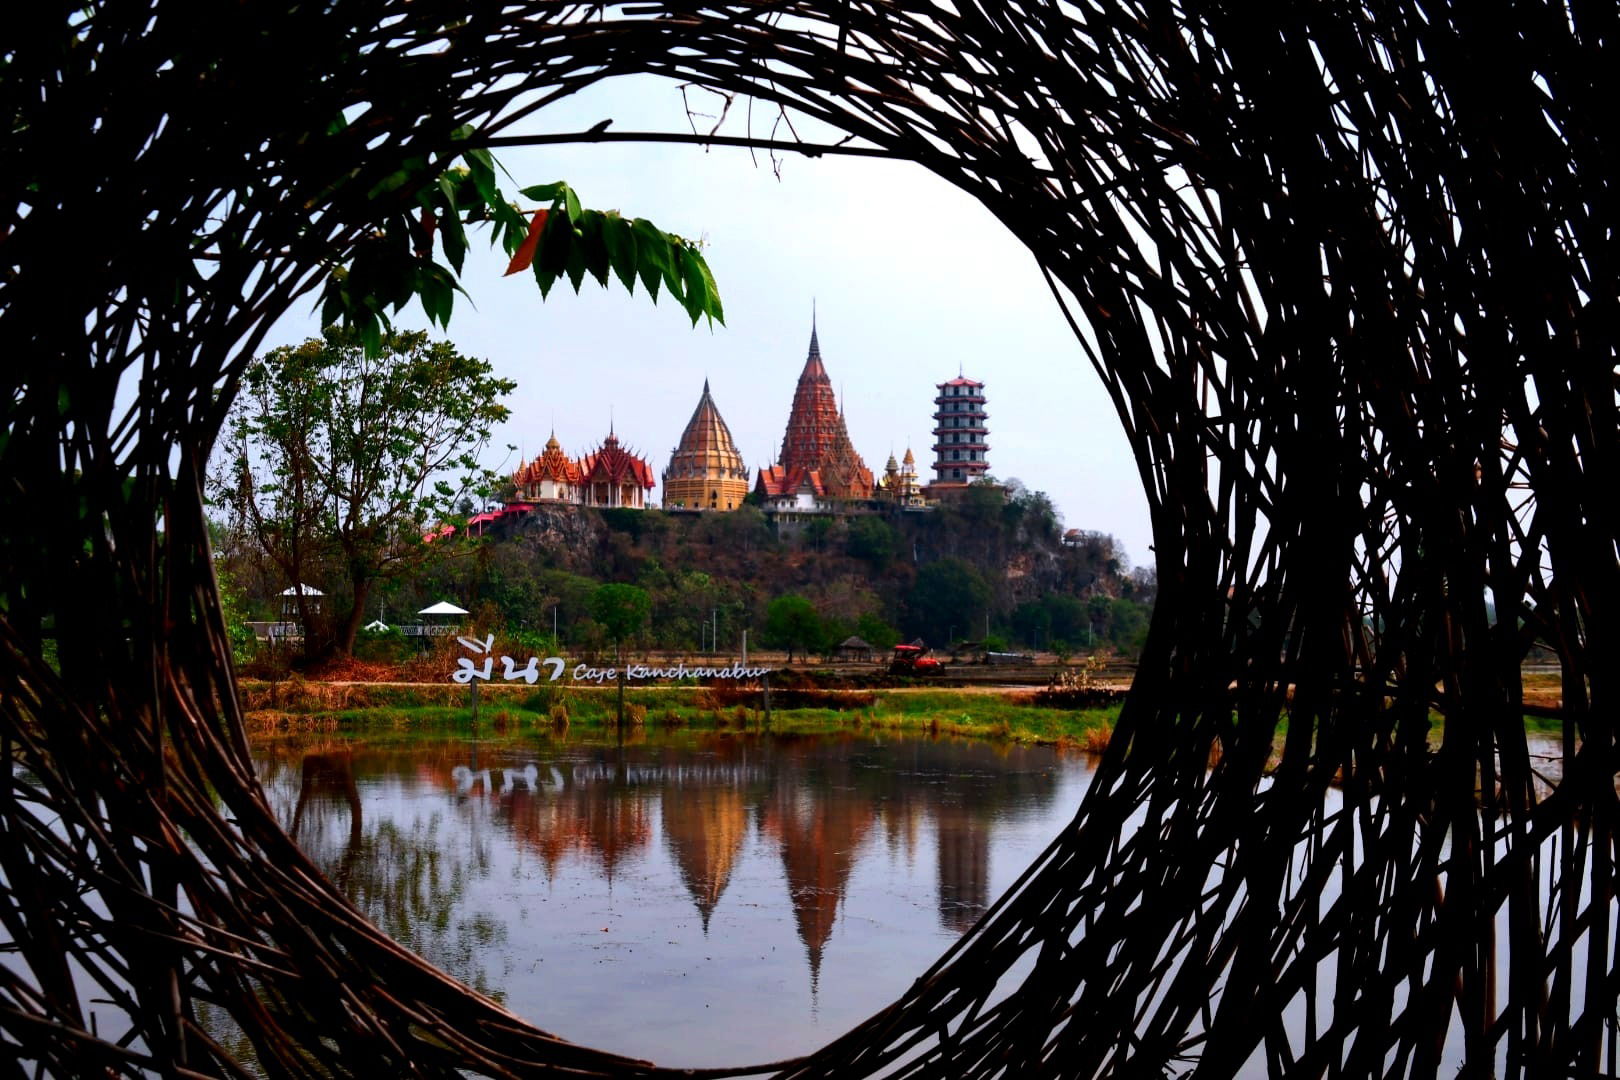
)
(964, 865)
(705, 470)
(605, 819)
(705, 827)
(818, 459)
(818, 844)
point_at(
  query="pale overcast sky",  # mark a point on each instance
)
(911, 279)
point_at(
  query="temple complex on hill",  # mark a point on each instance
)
(705, 470)
(609, 477)
(818, 474)
(818, 461)
(899, 484)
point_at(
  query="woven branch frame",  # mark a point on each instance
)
(1348, 274)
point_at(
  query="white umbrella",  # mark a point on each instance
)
(443, 607)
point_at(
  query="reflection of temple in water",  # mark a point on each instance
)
(705, 828)
(705, 806)
(608, 820)
(814, 803)
(819, 830)
(818, 851)
(964, 866)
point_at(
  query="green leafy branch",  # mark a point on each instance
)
(397, 263)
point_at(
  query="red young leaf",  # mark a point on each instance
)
(525, 252)
(429, 223)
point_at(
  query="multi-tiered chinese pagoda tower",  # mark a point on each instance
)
(817, 456)
(705, 470)
(960, 433)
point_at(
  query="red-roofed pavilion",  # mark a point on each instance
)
(613, 476)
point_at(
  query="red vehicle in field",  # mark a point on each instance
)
(911, 660)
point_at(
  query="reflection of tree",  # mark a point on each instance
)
(327, 780)
(407, 879)
(410, 882)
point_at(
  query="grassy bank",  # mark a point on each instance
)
(293, 705)
(299, 708)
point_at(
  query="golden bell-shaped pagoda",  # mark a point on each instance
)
(705, 470)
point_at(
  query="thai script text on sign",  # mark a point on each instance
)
(468, 670)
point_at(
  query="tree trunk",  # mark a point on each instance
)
(349, 628)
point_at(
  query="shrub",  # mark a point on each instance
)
(522, 643)
(388, 646)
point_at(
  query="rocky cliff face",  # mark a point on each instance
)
(561, 535)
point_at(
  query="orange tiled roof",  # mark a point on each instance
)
(552, 464)
(779, 480)
(613, 464)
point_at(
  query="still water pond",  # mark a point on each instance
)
(693, 899)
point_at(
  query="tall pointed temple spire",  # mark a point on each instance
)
(816, 448)
(817, 460)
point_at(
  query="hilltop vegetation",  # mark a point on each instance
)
(945, 575)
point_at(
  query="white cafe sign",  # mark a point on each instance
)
(468, 670)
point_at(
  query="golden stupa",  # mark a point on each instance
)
(705, 471)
